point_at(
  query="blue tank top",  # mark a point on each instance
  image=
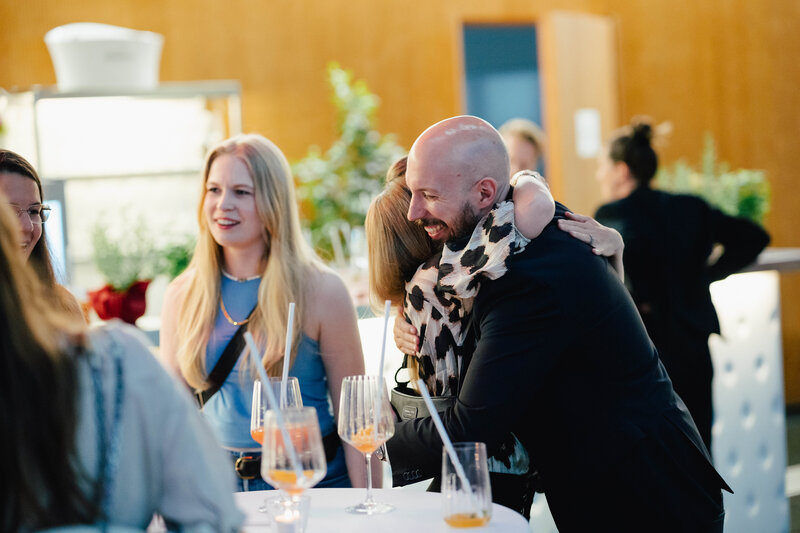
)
(228, 411)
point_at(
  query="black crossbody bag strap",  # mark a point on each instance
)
(223, 367)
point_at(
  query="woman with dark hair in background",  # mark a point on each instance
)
(94, 430)
(23, 188)
(668, 261)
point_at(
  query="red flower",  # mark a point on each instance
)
(127, 305)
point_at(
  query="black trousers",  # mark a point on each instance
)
(654, 489)
(687, 358)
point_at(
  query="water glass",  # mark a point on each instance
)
(462, 507)
(288, 515)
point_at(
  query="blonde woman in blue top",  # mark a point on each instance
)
(250, 262)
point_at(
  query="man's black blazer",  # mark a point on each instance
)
(563, 361)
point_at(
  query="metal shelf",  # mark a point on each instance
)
(131, 175)
(178, 89)
(33, 114)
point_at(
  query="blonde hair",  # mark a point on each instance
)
(396, 246)
(288, 263)
(527, 130)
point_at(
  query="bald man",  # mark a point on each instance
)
(561, 359)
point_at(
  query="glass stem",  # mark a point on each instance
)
(369, 479)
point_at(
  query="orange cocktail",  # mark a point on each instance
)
(364, 440)
(287, 480)
(466, 520)
(258, 434)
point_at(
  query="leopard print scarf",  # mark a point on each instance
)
(439, 296)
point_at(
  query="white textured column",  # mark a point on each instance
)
(749, 430)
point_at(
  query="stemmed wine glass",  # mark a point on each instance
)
(259, 408)
(359, 428)
(259, 405)
(277, 468)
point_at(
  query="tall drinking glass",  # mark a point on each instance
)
(362, 428)
(302, 425)
(462, 507)
(259, 405)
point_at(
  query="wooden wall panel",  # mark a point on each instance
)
(725, 66)
(407, 51)
(578, 54)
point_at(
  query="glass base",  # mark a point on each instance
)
(370, 508)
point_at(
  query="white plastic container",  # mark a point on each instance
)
(90, 56)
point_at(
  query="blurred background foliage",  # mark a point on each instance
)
(335, 188)
(123, 260)
(741, 192)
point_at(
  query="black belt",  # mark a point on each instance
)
(249, 466)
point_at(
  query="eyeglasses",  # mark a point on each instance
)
(36, 213)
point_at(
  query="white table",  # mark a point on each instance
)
(414, 512)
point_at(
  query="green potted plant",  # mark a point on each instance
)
(175, 257)
(741, 192)
(335, 188)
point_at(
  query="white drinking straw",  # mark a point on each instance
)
(379, 399)
(287, 354)
(448, 445)
(273, 404)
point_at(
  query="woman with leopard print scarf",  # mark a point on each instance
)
(436, 289)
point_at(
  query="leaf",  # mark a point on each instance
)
(742, 192)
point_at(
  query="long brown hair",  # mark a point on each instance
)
(396, 247)
(41, 482)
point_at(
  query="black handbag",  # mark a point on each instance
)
(408, 404)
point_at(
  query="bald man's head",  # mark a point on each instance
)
(457, 169)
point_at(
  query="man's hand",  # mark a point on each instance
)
(405, 335)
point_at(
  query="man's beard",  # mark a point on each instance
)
(461, 228)
(466, 222)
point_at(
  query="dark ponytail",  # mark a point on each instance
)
(633, 147)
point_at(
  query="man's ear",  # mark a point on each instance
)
(487, 191)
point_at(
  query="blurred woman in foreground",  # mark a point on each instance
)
(94, 430)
